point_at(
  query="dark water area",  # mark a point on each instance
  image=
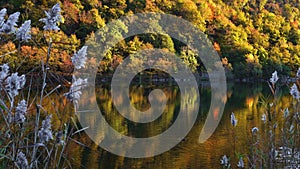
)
(247, 100)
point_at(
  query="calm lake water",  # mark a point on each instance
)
(244, 99)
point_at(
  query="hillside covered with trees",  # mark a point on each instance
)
(252, 37)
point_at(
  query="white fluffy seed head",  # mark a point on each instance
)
(298, 73)
(224, 161)
(14, 83)
(9, 26)
(233, 120)
(4, 72)
(79, 58)
(2, 15)
(241, 163)
(21, 110)
(274, 78)
(45, 133)
(23, 33)
(21, 160)
(53, 17)
(254, 130)
(295, 92)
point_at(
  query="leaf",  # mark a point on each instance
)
(2, 107)
(3, 156)
(78, 131)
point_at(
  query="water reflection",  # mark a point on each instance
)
(243, 99)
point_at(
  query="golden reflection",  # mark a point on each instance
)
(189, 153)
(216, 113)
(249, 101)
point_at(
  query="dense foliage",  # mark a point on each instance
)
(253, 38)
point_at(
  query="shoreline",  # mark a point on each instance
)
(153, 78)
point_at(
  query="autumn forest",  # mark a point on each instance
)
(253, 38)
